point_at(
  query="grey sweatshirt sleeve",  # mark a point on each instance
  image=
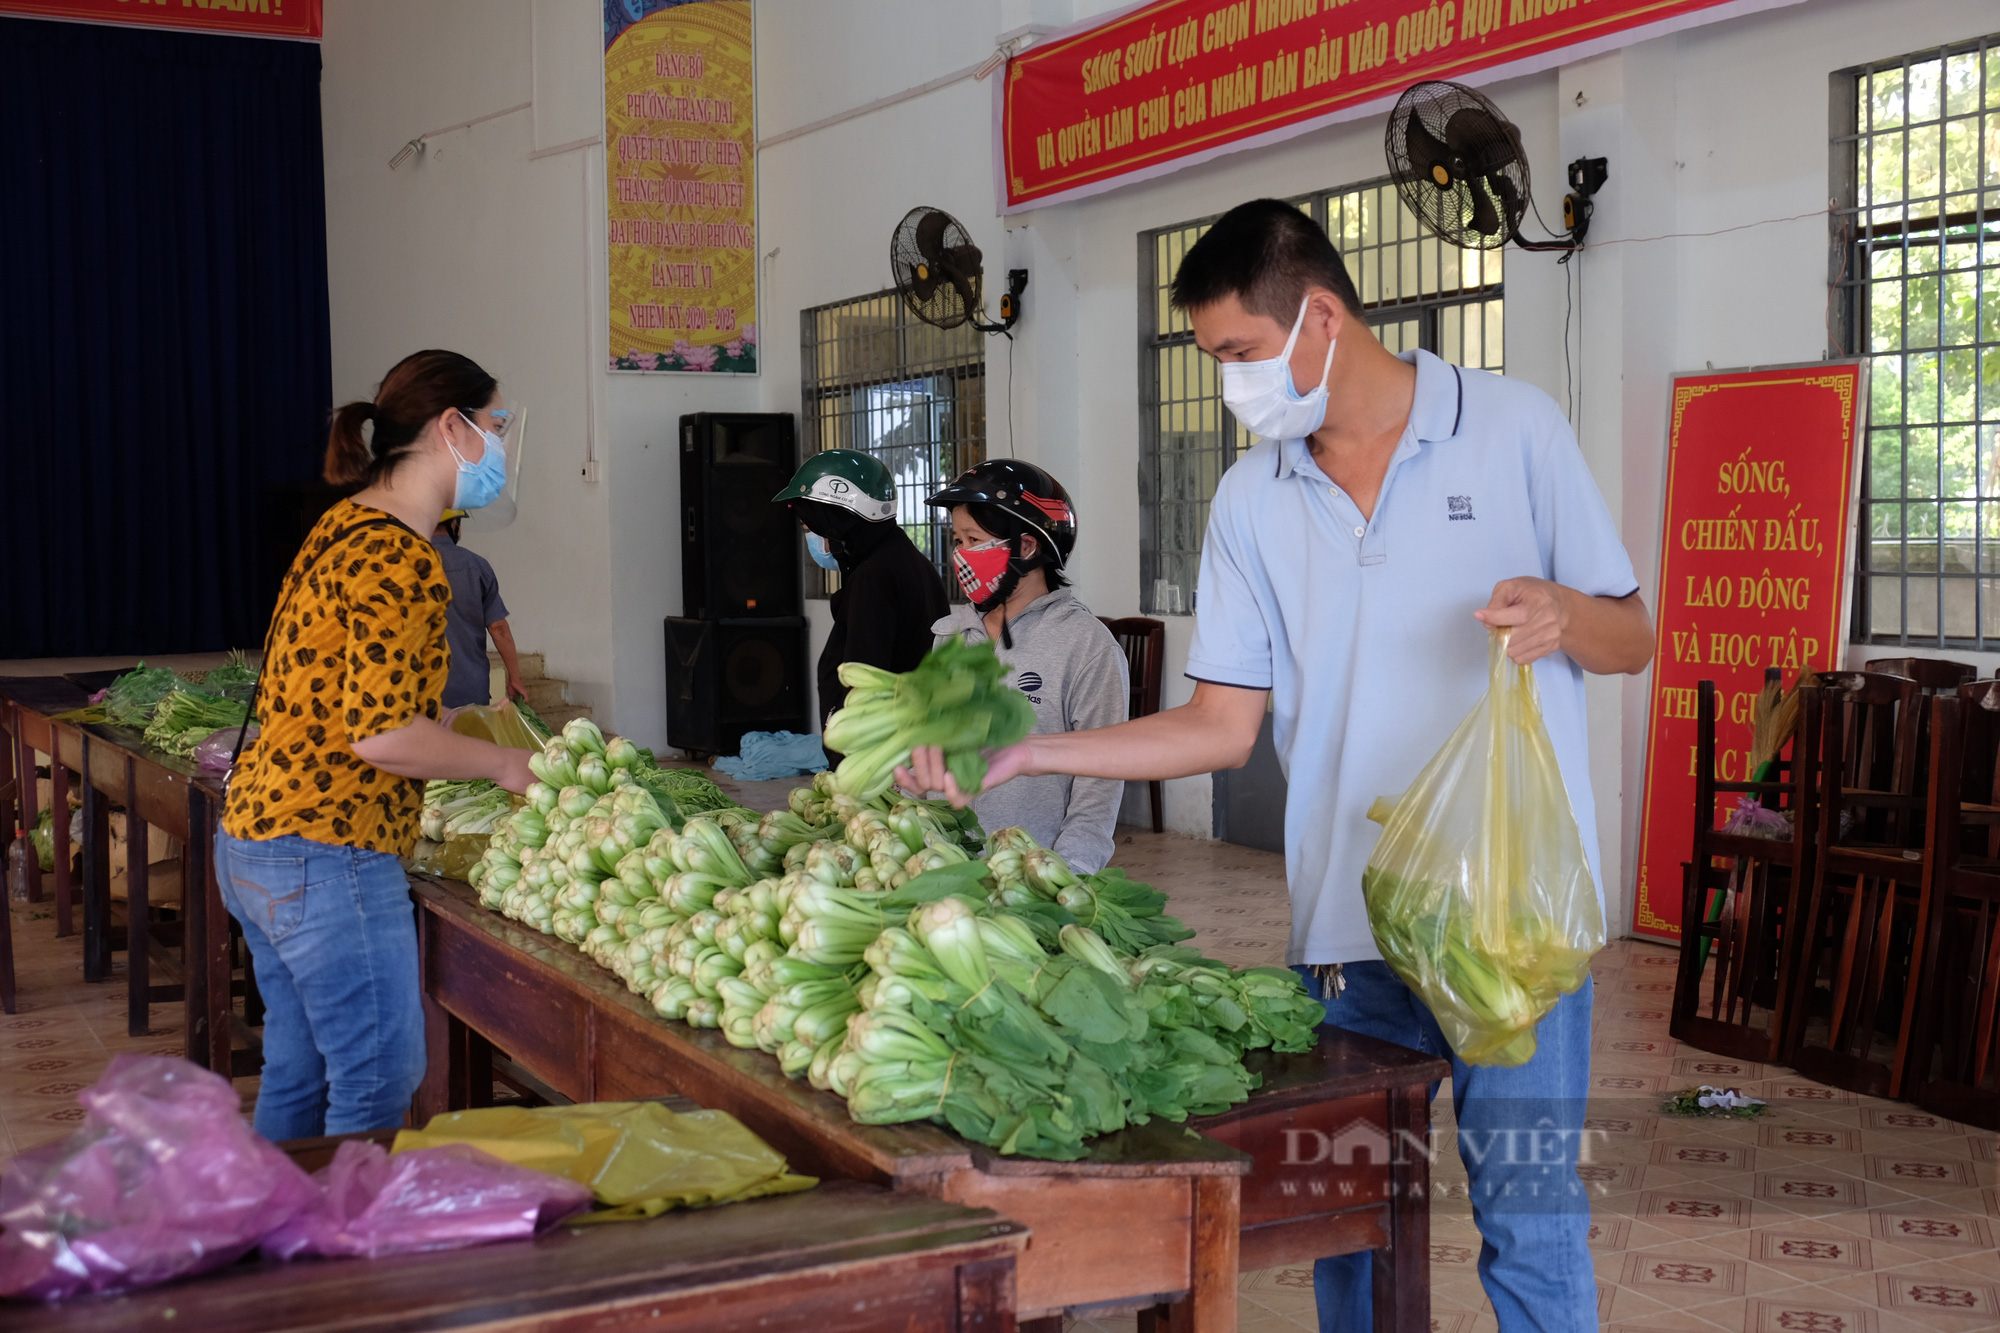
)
(1101, 697)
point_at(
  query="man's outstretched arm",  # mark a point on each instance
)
(1214, 730)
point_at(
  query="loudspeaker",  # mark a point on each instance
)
(739, 552)
(726, 677)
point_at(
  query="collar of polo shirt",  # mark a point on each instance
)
(1436, 411)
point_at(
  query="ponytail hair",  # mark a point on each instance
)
(418, 389)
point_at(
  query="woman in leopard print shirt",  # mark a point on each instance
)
(325, 801)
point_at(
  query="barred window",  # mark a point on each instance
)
(881, 381)
(1416, 291)
(1916, 289)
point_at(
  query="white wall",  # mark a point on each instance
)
(483, 247)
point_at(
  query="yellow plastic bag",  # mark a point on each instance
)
(451, 859)
(639, 1158)
(500, 723)
(1478, 892)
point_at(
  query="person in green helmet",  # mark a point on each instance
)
(890, 594)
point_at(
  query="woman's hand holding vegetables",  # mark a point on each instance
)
(926, 772)
(515, 774)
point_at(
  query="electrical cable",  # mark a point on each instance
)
(1010, 397)
(1569, 372)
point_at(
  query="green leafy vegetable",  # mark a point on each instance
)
(955, 699)
(131, 699)
(183, 719)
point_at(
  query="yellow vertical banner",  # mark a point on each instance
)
(680, 142)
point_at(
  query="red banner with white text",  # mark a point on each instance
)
(1175, 82)
(1754, 559)
(255, 18)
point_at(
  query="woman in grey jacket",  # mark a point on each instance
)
(1012, 530)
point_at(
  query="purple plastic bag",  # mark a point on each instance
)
(430, 1199)
(164, 1178)
(213, 752)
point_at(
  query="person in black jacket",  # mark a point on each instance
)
(890, 594)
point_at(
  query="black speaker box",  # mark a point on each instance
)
(739, 552)
(726, 677)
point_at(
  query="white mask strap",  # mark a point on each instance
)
(1292, 341)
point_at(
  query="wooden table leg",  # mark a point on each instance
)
(1402, 1268)
(59, 802)
(138, 912)
(10, 796)
(9, 803)
(213, 937)
(196, 1022)
(1210, 1305)
(96, 875)
(986, 1297)
(31, 801)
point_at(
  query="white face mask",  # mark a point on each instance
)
(1260, 394)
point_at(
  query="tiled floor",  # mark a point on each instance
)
(1831, 1214)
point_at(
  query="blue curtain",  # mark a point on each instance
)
(164, 360)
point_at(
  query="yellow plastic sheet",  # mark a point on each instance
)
(1479, 893)
(500, 723)
(639, 1158)
(454, 857)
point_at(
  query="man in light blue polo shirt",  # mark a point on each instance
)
(1395, 510)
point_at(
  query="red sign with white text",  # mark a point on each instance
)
(257, 18)
(1175, 82)
(1753, 574)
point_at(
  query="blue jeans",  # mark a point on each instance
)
(334, 937)
(1518, 1135)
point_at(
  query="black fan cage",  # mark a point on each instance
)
(1458, 164)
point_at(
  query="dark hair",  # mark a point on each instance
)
(417, 389)
(1266, 254)
(1003, 523)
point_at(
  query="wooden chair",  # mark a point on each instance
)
(1932, 674)
(1847, 1021)
(1763, 882)
(1145, 643)
(1952, 1065)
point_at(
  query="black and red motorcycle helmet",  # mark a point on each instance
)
(1027, 494)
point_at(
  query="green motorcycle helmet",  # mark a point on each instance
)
(846, 479)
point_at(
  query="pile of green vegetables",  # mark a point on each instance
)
(177, 714)
(474, 808)
(889, 951)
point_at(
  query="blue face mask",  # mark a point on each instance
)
(816, 547)
(480, 483)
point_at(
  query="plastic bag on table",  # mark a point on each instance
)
(436, 1199)
(452, 859)
(638, 1158)
(1478, 892)
(500, 723)
(213, 752)
(164, 1178)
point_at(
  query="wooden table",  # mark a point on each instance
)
(843, 1258)
(1157, 1216)
(157, 789)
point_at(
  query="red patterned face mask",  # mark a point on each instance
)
(982, 569)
